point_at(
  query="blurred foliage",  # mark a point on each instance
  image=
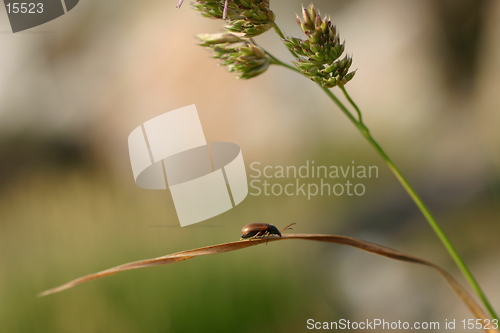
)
(59, 225)
(69, 207)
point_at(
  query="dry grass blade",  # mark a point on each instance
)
(233, 246)
(164, 260)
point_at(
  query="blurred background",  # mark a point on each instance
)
(73, 89)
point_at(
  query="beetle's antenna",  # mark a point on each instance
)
(288, 227)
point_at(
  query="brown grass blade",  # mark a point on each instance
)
(461, 292)
(233, 246)
(164, 260)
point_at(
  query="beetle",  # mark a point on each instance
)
(261, 230)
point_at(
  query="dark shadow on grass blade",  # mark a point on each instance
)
(233, 246)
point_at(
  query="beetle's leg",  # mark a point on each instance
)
(266, 235)
(259, 235)
(256, 236)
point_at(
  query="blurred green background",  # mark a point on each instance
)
(73, 89)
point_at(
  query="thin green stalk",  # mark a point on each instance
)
(404, 182)
(276, 61)
(358, 111)
(416, 198)
(282, 36)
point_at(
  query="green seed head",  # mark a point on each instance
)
(319, 54)
(237, 54)
(248, 18)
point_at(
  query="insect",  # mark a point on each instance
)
(261, 230)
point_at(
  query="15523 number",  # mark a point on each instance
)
(24, 8)
(480, 324)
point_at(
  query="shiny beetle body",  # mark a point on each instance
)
(259, 230)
